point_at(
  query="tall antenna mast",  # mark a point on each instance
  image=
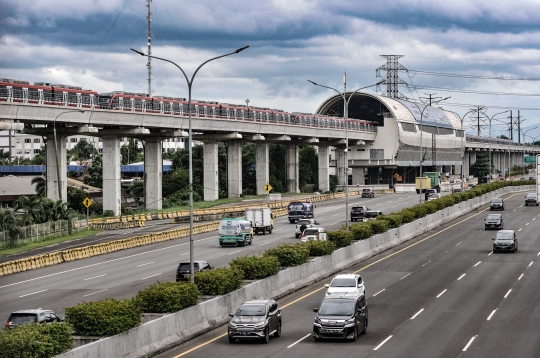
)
(149, 63)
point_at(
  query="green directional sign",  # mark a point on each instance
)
(529, 159)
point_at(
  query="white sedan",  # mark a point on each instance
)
(346, 283)
(316, 233)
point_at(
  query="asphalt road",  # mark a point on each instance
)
(121, 274)
(443, 294)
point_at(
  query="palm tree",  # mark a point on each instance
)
(32, 209)
(55, 210)
(40, 185)
(8, 225)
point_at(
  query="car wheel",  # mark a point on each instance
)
(296, 235)
(264, 231)
(291, 221)
(365, 325)
(355, 334)
(232, 340)
(278, 330)
(243, 243)
(266, 338)
(270, 231)
(316, 339)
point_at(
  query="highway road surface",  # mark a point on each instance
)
(443, 294)
(121, 274)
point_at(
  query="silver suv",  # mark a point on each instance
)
(303, 224)
(32, 316)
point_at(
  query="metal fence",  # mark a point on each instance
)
(37, 232)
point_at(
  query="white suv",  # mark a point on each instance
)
(346, 283)
(303, 224)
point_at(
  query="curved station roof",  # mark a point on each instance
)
(372, 107)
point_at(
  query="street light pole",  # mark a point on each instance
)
(462, 144)
(523, 150)
(56, 153)
(346, 120)
(421, 139)
(190, 84)
(490, 160)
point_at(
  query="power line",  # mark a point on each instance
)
(443, 74)
(476, 92)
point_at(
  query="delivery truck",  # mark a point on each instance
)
(235, 232)
(422, 183)
(261, 219)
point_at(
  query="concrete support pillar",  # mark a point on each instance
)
(153, 173)
(234, 169)
(293, 183)
(341, 166)
(324, 165)
(358, 176)
(466, 164)
(112, 194)
(472, 158)
(211, 177)
(262, 166)
(52, 171)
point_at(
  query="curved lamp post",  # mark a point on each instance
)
(421, 140)
(490, 160)
(190, 84)
(346, 118)
(523, 150)
(462, 118)
(56, 152)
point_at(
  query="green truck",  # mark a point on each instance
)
(235, 232)
(434, 177)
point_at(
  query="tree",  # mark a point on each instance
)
(40, 185)
(81, 151)
(55, 210)
(309, 167)
(32, 209)
(131, 152)
(8, 225)
(481, 167)
(277, 153)
(41, 157)
(249, 179)
(95, 173)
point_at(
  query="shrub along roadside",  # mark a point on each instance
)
(164, 297)
(361, 231)
(256, 267)
(341, 238)
(320, 248)
(219, 281)
(289, 255)
(103, 318)
(40, 341)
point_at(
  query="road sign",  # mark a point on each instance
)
(529, 159)
(267, 187)
(87, 202)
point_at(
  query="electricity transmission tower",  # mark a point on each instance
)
(392, 80)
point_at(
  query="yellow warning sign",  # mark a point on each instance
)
(267, 187)
(87, 202)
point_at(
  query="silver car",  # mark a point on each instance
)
(303, 224)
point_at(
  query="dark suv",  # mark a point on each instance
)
(341, 316)
(184, 269)
(496, 204)
(505, 241)
(531, 199)
(33, 316)
(357, 212)
(255, 319)
(429, 192)
(368, 193)
(494, 221)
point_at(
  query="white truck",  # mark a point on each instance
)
(261, 218)
(235, 232)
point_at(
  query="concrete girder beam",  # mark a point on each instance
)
(279, 138)
(217, 137)
(308, 140)
(66, 131)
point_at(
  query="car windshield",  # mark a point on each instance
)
(251, 310)
(505, 235)
(337, 308)
(531, 196)
(371, 214)
(185, 266)
(493, 217)
(22, 318)
(366, 190)
(343, 282)
(310, 232)
(359, 208)
(303, 222)
(496, 201)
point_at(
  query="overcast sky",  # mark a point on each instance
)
(86, 43)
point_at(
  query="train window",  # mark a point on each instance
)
(33, 95)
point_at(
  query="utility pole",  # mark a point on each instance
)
(479, 120)
(431, 98)
(149, 33)
(511, 127)
(518, 122)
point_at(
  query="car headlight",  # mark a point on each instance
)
(232, 324)
(349, 322)
(261, 324)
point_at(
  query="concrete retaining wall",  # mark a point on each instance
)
(163, 333)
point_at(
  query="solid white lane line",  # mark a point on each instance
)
(91, 278)
(519, 278)
(531, 264)
(234, 252)
(468, 344)
(379, 292)
(507, 293)
(300, 340)
(33, 293)
(460, 277)
(458, 243)
(383, 342)
(491, 315)
(478, 263)
(409, 273)
(490, 253)
(148, 263)
(520, 229)
(144, 278)
(417, 313)
(90, 294)
(440, 294)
